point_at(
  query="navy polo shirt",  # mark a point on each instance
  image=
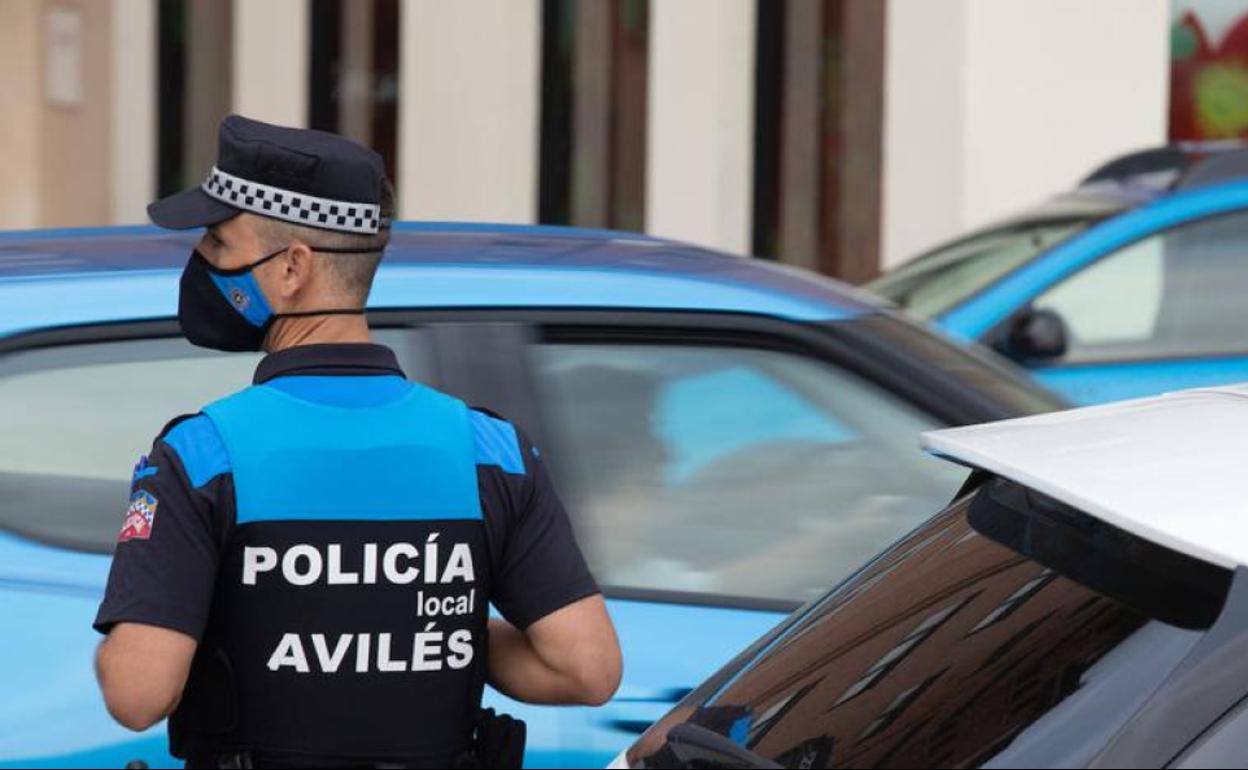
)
(182, 510)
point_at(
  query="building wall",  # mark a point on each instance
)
(990, 105)
(21, 75)
(993, 105)
(469, 110)
(75, 140)
(699, 176)
(55, 156)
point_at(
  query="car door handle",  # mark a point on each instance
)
(673, 696)
(630, 726)
(636, 717)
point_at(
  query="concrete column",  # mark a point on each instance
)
(20, 110)
(699, 174)
(271, 50)
(995, 105)
(468, 120)
(133, 109)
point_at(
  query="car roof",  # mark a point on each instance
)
(63, 277)
(1168, 469)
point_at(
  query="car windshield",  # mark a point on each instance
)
(1009, 631)
(942, 279)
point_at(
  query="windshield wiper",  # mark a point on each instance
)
(696, 746)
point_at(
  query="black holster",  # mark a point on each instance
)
(498, 741)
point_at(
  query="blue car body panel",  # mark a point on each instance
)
(53, 715)
(1091, 384)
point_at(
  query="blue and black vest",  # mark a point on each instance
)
(351, 609)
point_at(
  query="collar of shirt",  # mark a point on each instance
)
(339, 360)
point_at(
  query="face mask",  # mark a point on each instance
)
(226, 310)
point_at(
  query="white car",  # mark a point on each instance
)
(1082, 603)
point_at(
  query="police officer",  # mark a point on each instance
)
(304, 573)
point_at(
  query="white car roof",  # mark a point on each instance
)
(1171, 469)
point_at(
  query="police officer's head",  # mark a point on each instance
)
(296, 223)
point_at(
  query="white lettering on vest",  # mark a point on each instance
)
(337, 577)
(460, 565)
(330, 662)
(289, 652)
(427, 650)
(431, 559)
(255, 561)
(370, 564)
(290, 565)
(460, 645)
(384, 662)
(389, 564)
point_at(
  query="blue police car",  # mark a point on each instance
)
(731, 438)
(1128, 286)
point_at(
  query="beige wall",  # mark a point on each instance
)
(77, 141)
(700, 169)
(56, 159)
(994, 105)
(468, 120)
(20, 73)
(271, 60)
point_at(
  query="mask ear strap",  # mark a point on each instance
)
(313, 313)
(346, 251)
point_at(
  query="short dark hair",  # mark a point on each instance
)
(355, 272)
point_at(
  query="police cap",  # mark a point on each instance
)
(302, 176)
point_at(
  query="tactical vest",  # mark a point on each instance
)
(351, 608)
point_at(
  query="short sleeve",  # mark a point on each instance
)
(165, 564)
(539, 568)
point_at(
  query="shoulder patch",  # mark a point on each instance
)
(200, 448)
(497, 443)
(144, 470)
(140, 517)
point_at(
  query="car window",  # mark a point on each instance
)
(77, 418)
(1177, 293)
(734, 471)
(1008, 631)
(942, 280)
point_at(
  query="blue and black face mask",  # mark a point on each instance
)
(226, 310)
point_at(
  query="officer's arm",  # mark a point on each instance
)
(142, 672)
(160, 586)
(570, 657)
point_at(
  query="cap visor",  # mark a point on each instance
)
(190, 209)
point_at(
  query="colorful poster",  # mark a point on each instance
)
(1209, 70)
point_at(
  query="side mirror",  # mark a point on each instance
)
(1035, 334)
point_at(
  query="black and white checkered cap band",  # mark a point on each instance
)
(364, 218)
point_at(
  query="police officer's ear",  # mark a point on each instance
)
(294, 272)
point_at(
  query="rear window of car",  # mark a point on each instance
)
(941, 280)
(1008, 631)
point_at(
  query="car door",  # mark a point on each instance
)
(1163, 313)
(1145, 303)
(78, 408)
(717, 478)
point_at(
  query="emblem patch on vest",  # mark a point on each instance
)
(140, 518)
